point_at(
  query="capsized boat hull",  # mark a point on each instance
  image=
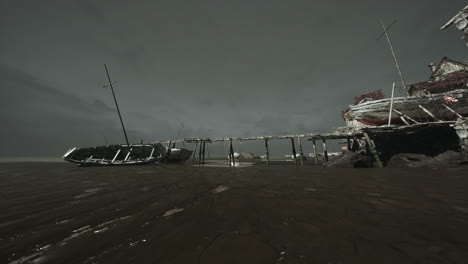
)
(124, 155)
(376, 113)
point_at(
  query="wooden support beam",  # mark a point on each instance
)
(267, 151)
(429, 113)
(200, 153)
(315, 151)
(232, 154)
(348, 141)
(405, 121)
(325, 152)
(294, 151)
(300, 151)
(128, 154)
(355, 145)
(194, 153)
(203, 153)
(117, 154)
(309, 136)
(373, 150)
(453, 111)
(136, 145)
(391, 106)
(407, 117)
(229, 151)
(151, 154)
(168, 152)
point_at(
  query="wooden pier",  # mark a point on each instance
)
(352, 137)
(297, 153)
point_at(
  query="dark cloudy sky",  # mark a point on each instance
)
(223, 68)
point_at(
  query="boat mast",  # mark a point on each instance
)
(116, 105)
(393, 53)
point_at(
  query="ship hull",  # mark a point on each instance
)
(123, 155)
(376, 113)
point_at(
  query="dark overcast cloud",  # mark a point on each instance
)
(224, 68)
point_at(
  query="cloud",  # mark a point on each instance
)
(224, 68)
(90, 9)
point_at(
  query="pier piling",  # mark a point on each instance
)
(294, 151)
(199, 153)
(267, 151)
(203, 153)
(194, 153)
(231, 154)
(315, 151)
(300, 150)
(325, 152)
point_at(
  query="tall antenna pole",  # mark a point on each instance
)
(116, 105)
(394, 56)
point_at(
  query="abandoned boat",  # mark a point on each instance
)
(444, 97)
(125, 155)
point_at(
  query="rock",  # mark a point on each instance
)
(448, 158)
(364, 162)
(350, 159)
(410, 160)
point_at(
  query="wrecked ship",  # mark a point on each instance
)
(430, 120)
(126, 155)
(443, 97)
